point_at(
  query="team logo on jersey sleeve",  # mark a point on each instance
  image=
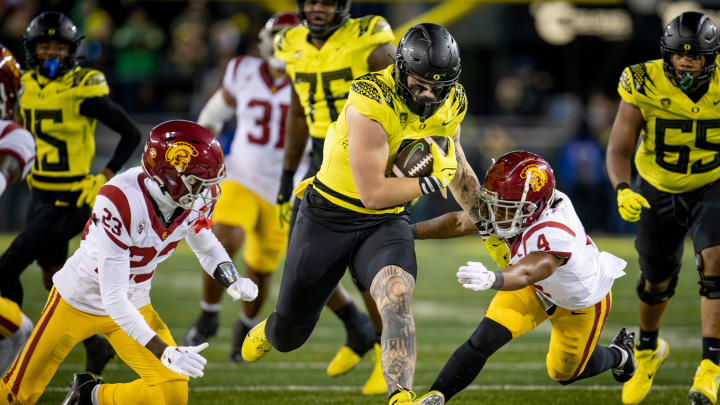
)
(665, 103)
(538, 177)
(179, 155)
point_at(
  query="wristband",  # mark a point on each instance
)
(429, 184)
(622, 186)
(499, 280)
(226, 274)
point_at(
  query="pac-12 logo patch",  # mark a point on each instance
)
(141, 226)
(179, 155)
(538, 177)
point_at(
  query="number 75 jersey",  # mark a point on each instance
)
(680, 148)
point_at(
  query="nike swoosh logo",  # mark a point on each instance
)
(445, 123)
(412, 152)
(715, 102)
(576, 313)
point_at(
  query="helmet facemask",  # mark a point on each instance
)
(340, 17)
(509, 217)
(422, 106)
(184, 189)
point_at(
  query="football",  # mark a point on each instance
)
(415, 159)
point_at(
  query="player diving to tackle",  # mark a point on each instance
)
(138, 219)
(553, 270)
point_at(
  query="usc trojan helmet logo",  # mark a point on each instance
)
(179, 155)
(538, 177)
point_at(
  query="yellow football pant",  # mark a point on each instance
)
(265, 239)
(10, 317)
(60, 327)
(574, 333)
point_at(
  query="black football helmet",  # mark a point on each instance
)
(429, 54)
(342, 14)
(48, 26)
(690, 33)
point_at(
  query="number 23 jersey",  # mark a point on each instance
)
(322, 77)
(680, 144)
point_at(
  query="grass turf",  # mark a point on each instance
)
(445, 315)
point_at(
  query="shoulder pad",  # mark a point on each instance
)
(88, 77)
(371, 86)
(641, 80)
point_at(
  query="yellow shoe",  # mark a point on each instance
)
(375, 385)
(648, 362)
(256, 345)
(705, 384)
(431, 398)
(403, 398)
(345, 360)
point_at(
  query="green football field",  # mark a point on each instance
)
(445, 315)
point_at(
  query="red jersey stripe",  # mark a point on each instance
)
(119, 199)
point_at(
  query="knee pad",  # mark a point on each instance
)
(709, 285)
(286, 335)
(173, 392)
(654, 298)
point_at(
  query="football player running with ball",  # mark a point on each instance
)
(60, 105)
(671, 104)
(257, 92)
(353, 215)
(17, 153)
(322, 56)
(138, 219)
(553, 271)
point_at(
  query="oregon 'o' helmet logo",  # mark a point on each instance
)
(538, 177)
(179, 155)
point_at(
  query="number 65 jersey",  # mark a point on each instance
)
(587, 274)
(126, 238)
(680, 144)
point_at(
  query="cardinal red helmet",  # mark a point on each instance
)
(10, 88)
(517, 189)
(186, 161)
(276, 23)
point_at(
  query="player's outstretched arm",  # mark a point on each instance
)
(218, 109)
(450, 225)
(529, 270)
(368, 153)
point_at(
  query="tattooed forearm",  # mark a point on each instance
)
(392, 291)
(465, 187)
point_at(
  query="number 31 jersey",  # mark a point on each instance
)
(587, 274)
(680, 144)
(256, 152)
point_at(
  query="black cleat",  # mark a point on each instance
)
(98, 353)
(625, 342)
(81, 388)
(240, 331)
(203, 329)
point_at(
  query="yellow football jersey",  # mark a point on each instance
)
(322, 77)
(65, 138)
(373, 95)
(681, 139)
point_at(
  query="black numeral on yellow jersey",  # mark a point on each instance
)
(683, 151)
(326, 78)
(34, 125)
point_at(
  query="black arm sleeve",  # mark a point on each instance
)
(111, 114)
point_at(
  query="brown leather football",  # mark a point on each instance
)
(415, 159)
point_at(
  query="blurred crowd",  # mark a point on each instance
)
(165, 59)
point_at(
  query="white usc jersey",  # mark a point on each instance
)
(126, 237)
(256, 152)
(587, 275)
(17, 142)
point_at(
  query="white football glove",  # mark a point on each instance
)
(476, 276)
(243, 289)
(185, 360)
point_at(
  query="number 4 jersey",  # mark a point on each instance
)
(121, 246)
(587, 274)
(256, 152)
(681, 139)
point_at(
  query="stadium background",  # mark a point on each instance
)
(539, 76)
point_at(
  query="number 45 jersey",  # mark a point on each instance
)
(125, 235)
(256, 152)
(681, 138)
(587, 274)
